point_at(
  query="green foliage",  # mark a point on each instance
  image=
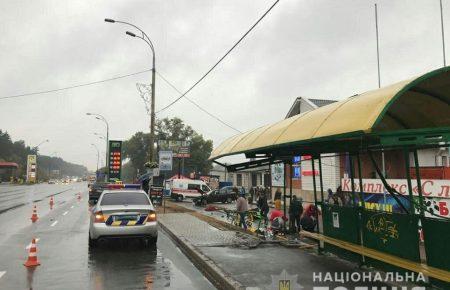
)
(17, 152)
(136, 148)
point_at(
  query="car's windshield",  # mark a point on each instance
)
(122, 198)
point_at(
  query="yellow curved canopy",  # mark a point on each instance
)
(417, 103)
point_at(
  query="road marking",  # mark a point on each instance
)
(71, 206)
(54, 223)
(66, 212)
(29, 245)
(2, 273)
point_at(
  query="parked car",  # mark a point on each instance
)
(226, 194)
(181, 189)
(96, 189)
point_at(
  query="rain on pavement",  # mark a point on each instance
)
(66, 260)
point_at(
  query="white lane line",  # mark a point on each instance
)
(66, 212)
(2, 273)
(71, 206)
(54, 223)
(29, 245)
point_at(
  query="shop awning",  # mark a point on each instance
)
(415, 106)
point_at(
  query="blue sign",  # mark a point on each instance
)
(296, 159)
(296, 172)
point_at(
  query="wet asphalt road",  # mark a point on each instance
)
(66, 260)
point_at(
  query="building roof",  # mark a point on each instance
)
(9, 165)
(420, 104)
(312, 104)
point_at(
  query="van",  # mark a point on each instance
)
(181, 189)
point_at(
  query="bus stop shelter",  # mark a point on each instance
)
(407, 116)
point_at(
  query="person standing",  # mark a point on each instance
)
(242, 208)
(295, 211)
(263, 207)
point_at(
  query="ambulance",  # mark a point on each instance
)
(181, 189)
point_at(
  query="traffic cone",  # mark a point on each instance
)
(34, 216)
(51, 202)
(32, 260)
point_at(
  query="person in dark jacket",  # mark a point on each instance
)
(295, 211)
(263, 206)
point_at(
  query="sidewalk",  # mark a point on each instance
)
(247, 262)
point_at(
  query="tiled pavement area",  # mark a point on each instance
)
(254, 267)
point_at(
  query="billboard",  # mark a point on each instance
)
(165, 160)
(179, 148)
(277, 173)
(115, 159)
(31, 168)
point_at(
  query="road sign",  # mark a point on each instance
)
(165, 160)
(115, 159)
(31, 168)
(180, 149)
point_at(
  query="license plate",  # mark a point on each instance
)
(125, 218)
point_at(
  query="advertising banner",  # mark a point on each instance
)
(165, 160)
(277, 171)
(430, 187)
(31, 168)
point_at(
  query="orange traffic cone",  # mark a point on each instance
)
(34, 216)
(32, 260)
(51, 202)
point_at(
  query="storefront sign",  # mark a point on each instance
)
(430, 187)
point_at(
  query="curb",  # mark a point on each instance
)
(215, 275)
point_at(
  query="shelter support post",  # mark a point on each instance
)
(290, 183)
(408, 179)
(321, 182)
(352, 178)
(315, 201)
(284, 192)
(419, 182)
(361, 185)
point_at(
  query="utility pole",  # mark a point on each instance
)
(442, 30)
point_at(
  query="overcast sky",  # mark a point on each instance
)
(314, 48)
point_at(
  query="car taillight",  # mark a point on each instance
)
(151, 217)
(98, 217)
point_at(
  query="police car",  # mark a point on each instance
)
(123, 211)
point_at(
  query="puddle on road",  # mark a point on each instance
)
(129, 265)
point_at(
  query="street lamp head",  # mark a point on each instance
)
(110, 20)
(97, 118)
(88, 114)
(130, 34)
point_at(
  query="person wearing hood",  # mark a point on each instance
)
(295, 211)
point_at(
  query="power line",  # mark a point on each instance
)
(75, 86)
(197, 105)
(220, 60)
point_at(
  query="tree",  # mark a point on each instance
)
(136, 148)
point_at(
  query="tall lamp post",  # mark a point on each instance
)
(36, 149)
(98, 157)
(145, 38)
(101, 118)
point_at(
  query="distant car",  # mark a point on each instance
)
(123, 213)
(96, 189)
(51, 181)
(224, 195)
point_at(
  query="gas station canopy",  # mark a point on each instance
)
(410, 112)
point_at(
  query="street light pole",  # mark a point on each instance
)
(98, 156)
(101, 118)
(36, 149)
(145, 38)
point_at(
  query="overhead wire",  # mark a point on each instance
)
(75, 86)
(220, 60)
(197, 105)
